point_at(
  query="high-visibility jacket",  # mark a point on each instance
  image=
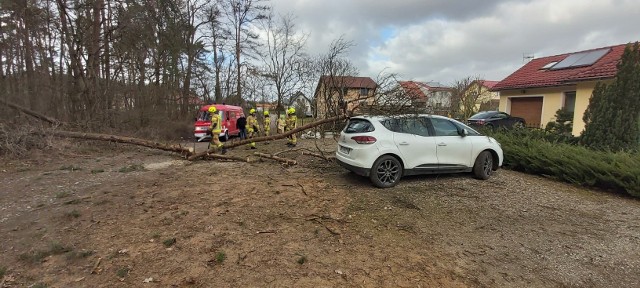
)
(291, 122)
(281, 123)
(216, 123)
(267, 123)
(252, 123)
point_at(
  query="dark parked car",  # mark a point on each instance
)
(495, 119)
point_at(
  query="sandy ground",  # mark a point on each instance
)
(106, 215)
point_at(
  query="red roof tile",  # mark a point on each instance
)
(489, 84)
(348, 82)
(531, 75)
(421, 90)
(413, 90)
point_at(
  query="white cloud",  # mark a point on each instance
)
(444, 40)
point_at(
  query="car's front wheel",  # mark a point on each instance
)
(483, 167)
(386, 172)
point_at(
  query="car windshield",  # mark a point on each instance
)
(358, 126)
(470, 131)
(204, 116)
(483, 115)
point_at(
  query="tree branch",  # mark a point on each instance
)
(228, 145)
(120, 139)
(31, 113)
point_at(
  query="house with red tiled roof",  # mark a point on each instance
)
(335, 93)
(544, 85)
(420, 95)
(426, 94)
(478, 96)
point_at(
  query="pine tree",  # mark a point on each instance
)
(613, 115)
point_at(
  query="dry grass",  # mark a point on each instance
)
(17, 141)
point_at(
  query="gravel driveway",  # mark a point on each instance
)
(101, 216)
(514, 230)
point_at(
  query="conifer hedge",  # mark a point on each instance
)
(527, 151)
(612, 117)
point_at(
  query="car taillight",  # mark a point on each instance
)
(364, 139)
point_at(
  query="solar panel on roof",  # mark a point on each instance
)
(591, 57)
(581, 59)
(567, 62)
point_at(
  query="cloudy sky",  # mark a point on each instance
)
(446, 40)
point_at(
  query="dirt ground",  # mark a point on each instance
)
(107, 215)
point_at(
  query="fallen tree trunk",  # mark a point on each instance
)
(270, 138)
(280, 159)
(32, 113)
(120, 139)
(167, 147)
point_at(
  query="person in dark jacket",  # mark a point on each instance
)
(242, 126)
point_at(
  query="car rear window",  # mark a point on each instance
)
(483, 115)
(409, 125)
(358, 126)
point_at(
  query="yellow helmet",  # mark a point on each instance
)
(252, 111)
(212, 109)
(291, 111)
(266, 112)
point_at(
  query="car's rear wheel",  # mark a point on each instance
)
(490, 126)
(518, 125)
(483, 167)
(386, 172)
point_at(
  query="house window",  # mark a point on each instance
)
(549, 65)
(364, 91)
(569, 101)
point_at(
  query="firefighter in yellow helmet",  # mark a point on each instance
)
(266, 124)
(216, 128)
(281, 123)
(252, 127)
(290, 124)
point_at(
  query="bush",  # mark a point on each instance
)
(616, 105)
(530, 152)
(563, 124)
(547, 135)
(17, 140)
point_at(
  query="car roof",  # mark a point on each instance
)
(384, 117)
(221, 107)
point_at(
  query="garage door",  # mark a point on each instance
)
(529, 108)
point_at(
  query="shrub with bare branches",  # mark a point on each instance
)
(17, 141)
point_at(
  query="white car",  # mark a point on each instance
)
(385, 148)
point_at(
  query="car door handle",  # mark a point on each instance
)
(403, 143)
(442, 144)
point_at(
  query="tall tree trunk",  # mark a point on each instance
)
(216, 63)
(28, 57)
(76, 72)
(106, 63)
(238, 68)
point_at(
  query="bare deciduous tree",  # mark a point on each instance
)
(331, 69)
(284, 58)
(466, 93)
(241, 15)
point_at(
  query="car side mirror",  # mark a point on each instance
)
(195, 119)
(463, 132)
